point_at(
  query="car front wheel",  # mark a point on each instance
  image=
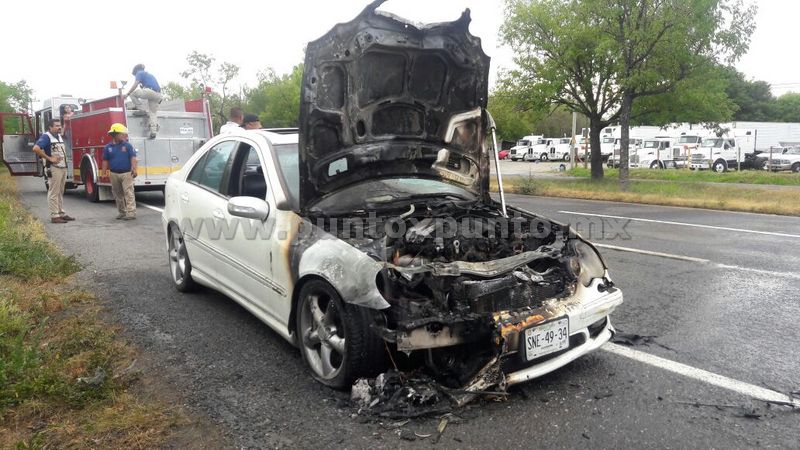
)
(796, 167)
(720, 166)
(335, 338)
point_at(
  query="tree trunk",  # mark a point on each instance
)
(594, 141)
(624, 124)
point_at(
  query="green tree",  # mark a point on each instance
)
(787, 107)
(753, 99)
(276, 99)
(202, 73)
(513, 122)
(598, 57)
(15, 97)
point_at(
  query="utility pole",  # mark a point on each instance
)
(573, 148)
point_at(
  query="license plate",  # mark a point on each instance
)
(547, 338)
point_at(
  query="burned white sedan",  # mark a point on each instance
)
(370, 235)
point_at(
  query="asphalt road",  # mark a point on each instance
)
(721, 296)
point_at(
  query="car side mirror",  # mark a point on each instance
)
(249, 208)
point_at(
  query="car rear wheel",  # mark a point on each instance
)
(335, 338)
(179, 265)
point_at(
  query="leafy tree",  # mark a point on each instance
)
(204, 73)
(512, 121)
(15, 97)
(276, 99)
(701, 98)
(754, 99)
(787, 107)
(598, 57)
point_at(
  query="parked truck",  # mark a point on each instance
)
(723, 153)
(524, 146)
(184, 126)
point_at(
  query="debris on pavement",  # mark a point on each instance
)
(394, 396)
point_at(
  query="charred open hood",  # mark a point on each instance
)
(383, 97)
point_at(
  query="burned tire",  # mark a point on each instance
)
(796, 167)
(720, 166)
(179, 265)
(335, 338)
(89, 187)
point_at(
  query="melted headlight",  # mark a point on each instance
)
(588, 263)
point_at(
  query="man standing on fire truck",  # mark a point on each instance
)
(150, 91)
(52, 149)
(119, 163)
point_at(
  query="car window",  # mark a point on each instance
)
(247, 174)
(210, 170)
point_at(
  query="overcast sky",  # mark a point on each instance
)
(76, 47)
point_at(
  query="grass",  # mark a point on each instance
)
(687, 194)
(65, 378)
(697, 176)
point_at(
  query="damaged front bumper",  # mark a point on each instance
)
(586, 311)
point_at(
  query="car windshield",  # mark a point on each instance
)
(687, 140)
(650, 144)
(711, 142)
(523, 143)
(373, 193)
(540, 141)
(565, 141)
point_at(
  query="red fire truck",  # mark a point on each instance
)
(184, 126)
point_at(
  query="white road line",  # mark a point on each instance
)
(704, 376)
(696, 225)
(659, 254)
(161, 210)
(760, 271)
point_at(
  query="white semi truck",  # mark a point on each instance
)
(723, 153)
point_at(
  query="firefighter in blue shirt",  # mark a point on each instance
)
(150, 91)
(119, 164)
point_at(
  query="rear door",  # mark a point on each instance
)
(17, 143)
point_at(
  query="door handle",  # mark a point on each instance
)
(185, 197)
(218, 214)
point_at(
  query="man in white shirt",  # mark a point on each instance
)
(235, 121)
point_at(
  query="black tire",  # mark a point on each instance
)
(544, 157)
(719, 166)
(656, 165)
(566, 158)
(345, 326)
(180, 267)
(90, 189)
(796, 167)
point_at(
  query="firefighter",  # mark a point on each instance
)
(119, 163)
(53, 150)
(235, 122)
(150, 91)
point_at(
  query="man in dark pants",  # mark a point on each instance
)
(119, 164)
(53, 150)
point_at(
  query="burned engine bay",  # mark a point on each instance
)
(451, 268)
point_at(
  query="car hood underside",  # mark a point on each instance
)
(383, 97)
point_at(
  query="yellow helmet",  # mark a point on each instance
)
(118, 128)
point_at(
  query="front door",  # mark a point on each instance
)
(17, 143)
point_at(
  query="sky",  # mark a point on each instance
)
(92, 42)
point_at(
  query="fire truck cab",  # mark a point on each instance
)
(184, 126)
